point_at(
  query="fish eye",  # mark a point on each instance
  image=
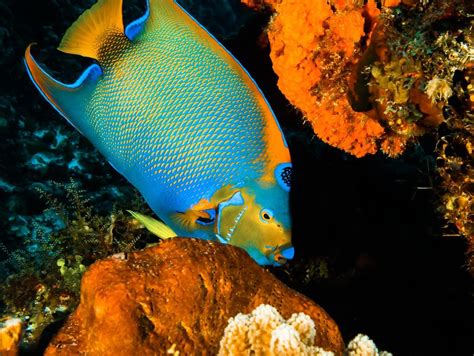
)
(266, 215)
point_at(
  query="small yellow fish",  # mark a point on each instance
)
(176, 114)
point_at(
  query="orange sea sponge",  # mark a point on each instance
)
(290, 48)
(342, 127)
(177, 296)
(10, 335)
(315, 46)
(322, 52)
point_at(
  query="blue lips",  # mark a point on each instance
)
(288, 253)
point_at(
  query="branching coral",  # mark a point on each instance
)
(265, 332)
(411, 78)
(456, 193)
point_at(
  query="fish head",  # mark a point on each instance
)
(257, 219)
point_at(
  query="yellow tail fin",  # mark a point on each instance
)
(154, 226)
(86, 36)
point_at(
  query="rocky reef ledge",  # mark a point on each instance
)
(177, 296)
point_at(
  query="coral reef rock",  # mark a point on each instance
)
(10, 335)
(177, 297)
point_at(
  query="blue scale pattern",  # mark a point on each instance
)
(176, 118)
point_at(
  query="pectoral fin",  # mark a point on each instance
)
(156, 227)
(194, 219)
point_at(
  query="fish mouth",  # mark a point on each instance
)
(282, 254)
(225, 235)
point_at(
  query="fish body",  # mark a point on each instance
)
(179, 117)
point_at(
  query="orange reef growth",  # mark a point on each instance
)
(177, 297)
(456, 154)
(455, 167)
(10, 335)
(363, 74)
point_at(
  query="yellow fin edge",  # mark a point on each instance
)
(156, 227)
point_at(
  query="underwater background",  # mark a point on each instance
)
(374, 246)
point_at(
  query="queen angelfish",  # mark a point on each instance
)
(176, 114)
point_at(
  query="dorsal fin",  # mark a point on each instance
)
(160, 10)
(86, 36)
(157, 13)
(136, 27)
(69, 100)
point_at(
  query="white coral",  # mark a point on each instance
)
(304, 325)
(438, 89)
(266, 332)
(285, 340)
(264, 319)
(235, 340)
(362, 345)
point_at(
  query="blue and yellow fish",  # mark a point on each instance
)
(179, 117)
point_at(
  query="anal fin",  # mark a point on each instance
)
(202, 213)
